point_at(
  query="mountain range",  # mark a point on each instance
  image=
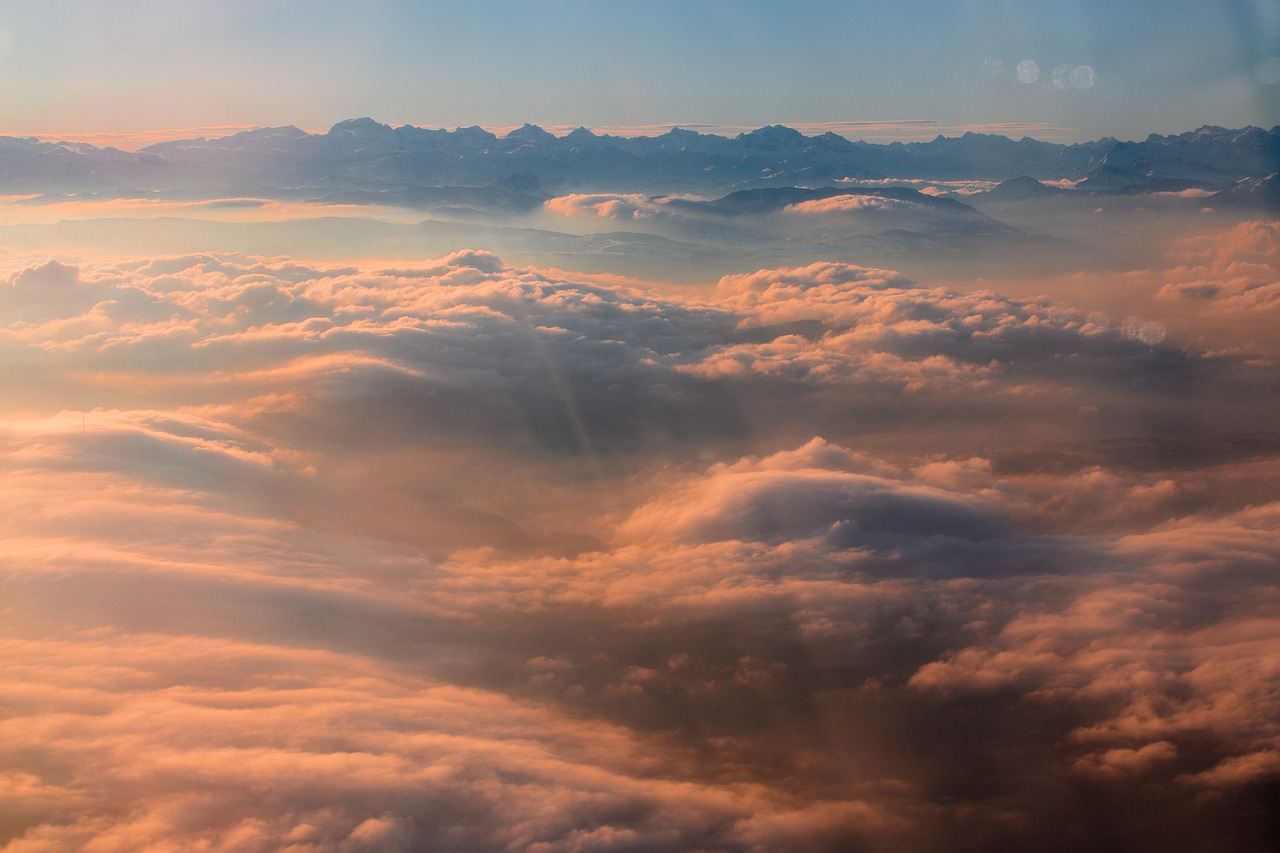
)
(361, 160)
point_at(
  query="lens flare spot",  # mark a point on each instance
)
(1083, 77)
(1072, 77)
(1148, 332)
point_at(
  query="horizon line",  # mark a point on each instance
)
(870, 131)
(874, 131)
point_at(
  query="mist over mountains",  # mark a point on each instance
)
(528, 163)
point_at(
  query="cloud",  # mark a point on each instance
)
(39, 290)
(1231, 272)
(461, 555)
(130, 141)
(847, 204)
(1160, 660)
(604, 206)
(772, 501)
(924, 185)
(261, 752)
(233, 661)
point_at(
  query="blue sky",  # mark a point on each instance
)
(84, 66)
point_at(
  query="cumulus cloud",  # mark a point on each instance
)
(39, 290)
(777, 500)
(1232, 271)
(604, 206)
(1156, 656)
(461, 555)
(847, 204)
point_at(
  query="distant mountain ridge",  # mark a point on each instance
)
(367, 156)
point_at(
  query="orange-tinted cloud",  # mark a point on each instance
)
(1233, 271)
(459, 555)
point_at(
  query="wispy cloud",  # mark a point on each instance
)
(133, 140)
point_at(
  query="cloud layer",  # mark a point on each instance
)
(455, 555)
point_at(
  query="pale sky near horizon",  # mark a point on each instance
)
(1073, 70)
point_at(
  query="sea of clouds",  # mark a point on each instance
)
(458, 555)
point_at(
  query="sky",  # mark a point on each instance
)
(79, 67)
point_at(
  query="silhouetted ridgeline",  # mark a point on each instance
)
(364, 155)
